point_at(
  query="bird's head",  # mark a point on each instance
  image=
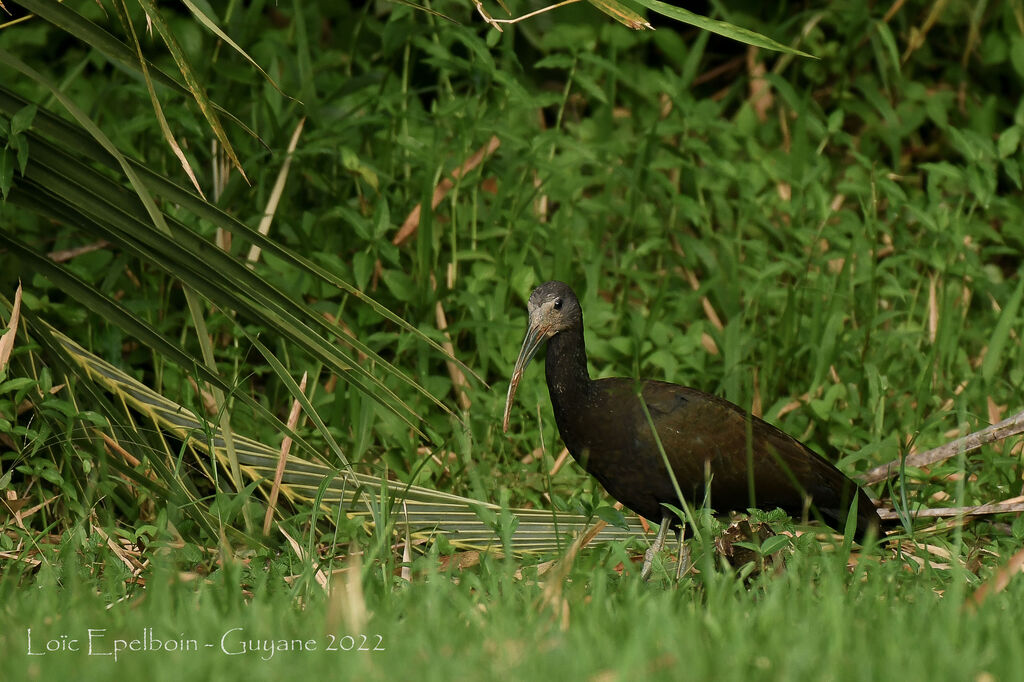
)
(553, 308)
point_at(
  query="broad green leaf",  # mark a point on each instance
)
(774, 544)
(1008, 142)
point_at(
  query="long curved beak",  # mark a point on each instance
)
(535, 335)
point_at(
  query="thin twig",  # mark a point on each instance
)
(64, 255)
(562, 457)
(1015, 504)
(532, 14)
(487, 17)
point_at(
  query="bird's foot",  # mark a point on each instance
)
(652, 551)
(645, 572)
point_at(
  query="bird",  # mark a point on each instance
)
(714, 447)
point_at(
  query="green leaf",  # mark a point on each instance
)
(774, 544)
(622, 14)
(399, 284)
(22, 120)
(98, 146)
(20, 145)
(352, 162)
(889, 43)
(383, 225)
(721, 28)
(835, 121)
(362, 268)
(555, 61)
(1009, 140)
(6, 171)
(16, 384)
(197, 89)
(213, 28)
(612, 516)
(66, 19)
(1017, 54)
(590, 86)
(421, 8)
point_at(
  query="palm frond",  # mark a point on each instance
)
(465, 522)
(60, 185)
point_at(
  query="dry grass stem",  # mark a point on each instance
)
(276, 192)
(7, 340)
(286, 445)
(542, 10)
(347, 605)
(412, 222)
(459, 382)
(65, 255)
(406, 571)
(563, 456)
(321, 579)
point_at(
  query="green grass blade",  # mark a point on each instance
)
(68, 20)
(197, 89)
(721, 28)
(213, 28)
(994, 356)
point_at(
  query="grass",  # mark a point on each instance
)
(815, 620)
(842, 257)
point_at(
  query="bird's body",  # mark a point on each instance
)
(748, 462)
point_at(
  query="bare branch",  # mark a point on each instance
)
(1015, 504)
(1004, 429)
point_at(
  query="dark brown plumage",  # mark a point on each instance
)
(603, 425)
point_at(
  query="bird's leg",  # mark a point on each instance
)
(683, 554)
(659, 542)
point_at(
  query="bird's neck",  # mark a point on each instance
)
(566, 371)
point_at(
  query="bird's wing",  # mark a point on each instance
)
(702, 431)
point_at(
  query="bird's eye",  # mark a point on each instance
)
(558, 304)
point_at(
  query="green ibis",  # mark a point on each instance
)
(748, 462)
